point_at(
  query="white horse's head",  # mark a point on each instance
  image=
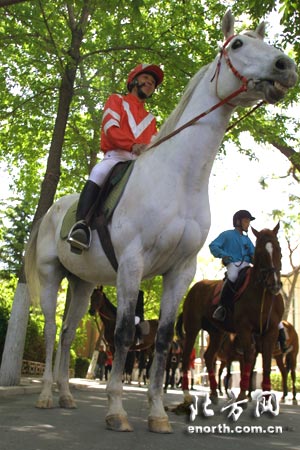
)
(245, 59)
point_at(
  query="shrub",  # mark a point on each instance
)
(81, 367)
(276, 382)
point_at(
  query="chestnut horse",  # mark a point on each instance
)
(228, 352)
(258, 311)
(108, 313)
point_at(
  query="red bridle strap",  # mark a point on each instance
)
(222, 102)
(235, 72)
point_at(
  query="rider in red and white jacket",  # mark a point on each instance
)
(127, 128)
(125, 123)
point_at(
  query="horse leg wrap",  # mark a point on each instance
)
(266, 382)
(212, 381)
(245, 379)
(185, 382)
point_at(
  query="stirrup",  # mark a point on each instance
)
(219, 313)
(75, 241)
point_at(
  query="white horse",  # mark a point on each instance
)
(161, 222)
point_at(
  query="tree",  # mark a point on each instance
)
(15, 337)
(290, 224)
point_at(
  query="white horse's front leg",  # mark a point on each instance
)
(175, 285)
(116, 418)
(158, 421)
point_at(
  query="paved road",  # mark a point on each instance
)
(23, 427)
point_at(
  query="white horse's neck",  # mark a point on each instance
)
(192, 151)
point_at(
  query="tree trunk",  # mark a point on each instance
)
(11, 365)
(10, 371)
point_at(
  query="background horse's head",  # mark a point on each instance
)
(101, 304)
(97, 298)
(267, 259)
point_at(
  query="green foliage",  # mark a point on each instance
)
(35, 47)
(152, 289)
(81, 367)
(34, 344)
(15, 227)
(276, 382)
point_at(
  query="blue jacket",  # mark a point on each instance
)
(238, 247)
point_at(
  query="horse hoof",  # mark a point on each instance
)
(243, 396)
(44, 403)
(67, 402)
(116, 422)
(214, 398)
(187, 397)
(159, 425)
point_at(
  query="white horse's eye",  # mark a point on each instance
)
(237, 44)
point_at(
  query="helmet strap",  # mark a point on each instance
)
(140, 93)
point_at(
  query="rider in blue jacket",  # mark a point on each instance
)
(236, 250)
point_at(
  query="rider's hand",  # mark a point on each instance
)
(226, 260)
(137, 149)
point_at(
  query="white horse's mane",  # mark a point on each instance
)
(169, 125)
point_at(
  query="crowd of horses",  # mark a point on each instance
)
(141, 354)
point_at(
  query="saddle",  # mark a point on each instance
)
(104, 208)
(239, 286)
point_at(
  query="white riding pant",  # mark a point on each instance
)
(234, 268)
(111, 158)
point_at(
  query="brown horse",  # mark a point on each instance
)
(107, 311)
(258, 311)
(228, 352)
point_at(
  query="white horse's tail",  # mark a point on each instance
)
(31, 266)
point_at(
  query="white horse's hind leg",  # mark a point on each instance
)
(175, 285)
(48, 297)
(80, 294)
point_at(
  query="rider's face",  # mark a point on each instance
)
(245, 222)
(147, 84)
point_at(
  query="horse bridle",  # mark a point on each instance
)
(264, 274)
(236, 73)
(226, 100)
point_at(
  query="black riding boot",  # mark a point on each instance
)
(80, 234)
(225, 301)
(282, 341)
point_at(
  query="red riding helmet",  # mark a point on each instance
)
(153, 69)
(242, 214)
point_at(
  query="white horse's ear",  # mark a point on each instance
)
(228, 24)
(261, 30)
